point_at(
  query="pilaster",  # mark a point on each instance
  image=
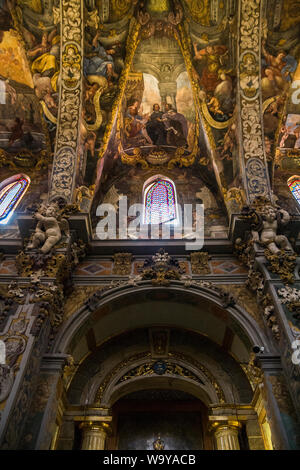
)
(70, 101)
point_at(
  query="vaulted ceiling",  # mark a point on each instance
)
(80, 79)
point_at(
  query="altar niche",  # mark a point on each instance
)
(159, 419)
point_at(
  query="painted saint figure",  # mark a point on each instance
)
(99, 61)
(278, 70)
(135, 125)
(210, 59)
(155, 126)
(46, 57)
(176, 126)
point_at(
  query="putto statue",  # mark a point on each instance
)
(270, 219)
(50, 226)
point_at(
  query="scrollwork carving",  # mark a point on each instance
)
(254, 162)
(65, 158)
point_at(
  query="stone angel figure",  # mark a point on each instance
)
(48, 231)
(266, 233)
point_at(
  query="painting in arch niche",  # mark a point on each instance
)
(158, 109)
(152, 122)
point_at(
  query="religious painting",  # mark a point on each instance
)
(20, 121)
(157, 115)
(214, 69)
(21, 127)
(176, 102)
(216, 79)
(103, 63)
(289, 132)
(280, 95)
(289, 136)
(36, 29)
(286, 143)
(24, 138)
(277, 70)
(151, 122)
(280, 69)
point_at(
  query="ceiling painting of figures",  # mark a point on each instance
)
(280, 96)
(25, 145)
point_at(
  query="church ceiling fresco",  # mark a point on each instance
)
(176, 101)
(106, 32)
(24, 136)
(160, 91)
(280, 73)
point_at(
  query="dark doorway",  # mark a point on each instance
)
(179, 419)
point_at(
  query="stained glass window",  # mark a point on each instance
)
(294, 185)
(159, 201)
(11, 192)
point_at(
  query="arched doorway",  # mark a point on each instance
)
(168, 340)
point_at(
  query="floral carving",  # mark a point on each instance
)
(122, 264)
(270, 317)
(290, 297)
(200, 263)
(282, 263)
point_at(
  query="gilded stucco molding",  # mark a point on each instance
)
(254, 165)
(68, 122)
(131, 45)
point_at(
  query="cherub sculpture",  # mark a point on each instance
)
(48, 231)
(266, 233)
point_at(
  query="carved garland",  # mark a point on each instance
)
(65, 159)
(254, 161)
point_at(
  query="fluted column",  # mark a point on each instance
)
(94, 435)
(227, 435)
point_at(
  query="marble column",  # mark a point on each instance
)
(226, 435)
(94, 435)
